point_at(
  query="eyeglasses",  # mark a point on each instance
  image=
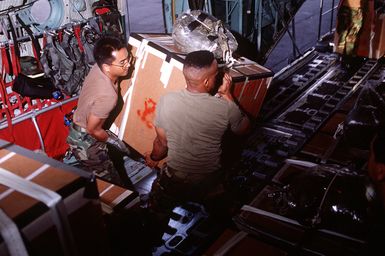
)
(124, 62)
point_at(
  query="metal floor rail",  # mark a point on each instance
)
(325, 88)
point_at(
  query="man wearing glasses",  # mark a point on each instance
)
(98, 97)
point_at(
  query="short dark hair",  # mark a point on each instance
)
(199, 59)
(378, 146)
(104, 47)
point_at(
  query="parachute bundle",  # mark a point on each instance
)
(197, 30)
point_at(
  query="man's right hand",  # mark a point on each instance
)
(224, 89)
(149, 162)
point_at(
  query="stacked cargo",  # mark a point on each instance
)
(51, 205)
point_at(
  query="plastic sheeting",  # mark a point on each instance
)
(327, 197)
(197, 30)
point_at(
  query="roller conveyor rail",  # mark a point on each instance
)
(291, 82)
(285, 133)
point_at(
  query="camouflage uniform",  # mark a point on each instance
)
(172, 187)
(348, 28)
(91, 154)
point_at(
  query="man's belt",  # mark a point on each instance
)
(183, 175)
(78, 128)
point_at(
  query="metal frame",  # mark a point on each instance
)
(234, 11)
(172, 8)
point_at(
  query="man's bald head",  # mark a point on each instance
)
(197, 66)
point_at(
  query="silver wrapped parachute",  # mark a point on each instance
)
(197, 30)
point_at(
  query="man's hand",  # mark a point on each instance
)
(224, 89)
(149, 162)
(116, 142)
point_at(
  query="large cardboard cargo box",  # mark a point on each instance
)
(158, 70)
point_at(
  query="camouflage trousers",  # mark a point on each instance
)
(172, 188)
(349, 24)
(91, 154)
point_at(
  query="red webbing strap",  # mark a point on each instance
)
(4, 98)
(77, 28)
(15, 59)
(44, 39)
(5, 60)
(102, 10)
(100, 22)
(60, 35)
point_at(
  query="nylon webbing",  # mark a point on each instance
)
(14, 59)
(60, 35)
(14, 37)
(4, 97)
(5, 59)
(11, 236)
(44, 40)
(35, 43)
(3, 28)
(49, 198)
(76, 28)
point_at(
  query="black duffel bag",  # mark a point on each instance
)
(31, 82)
(38, 87)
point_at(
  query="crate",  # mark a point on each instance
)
(158, 70)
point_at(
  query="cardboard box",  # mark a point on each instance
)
(47, 204)
(158, 70)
